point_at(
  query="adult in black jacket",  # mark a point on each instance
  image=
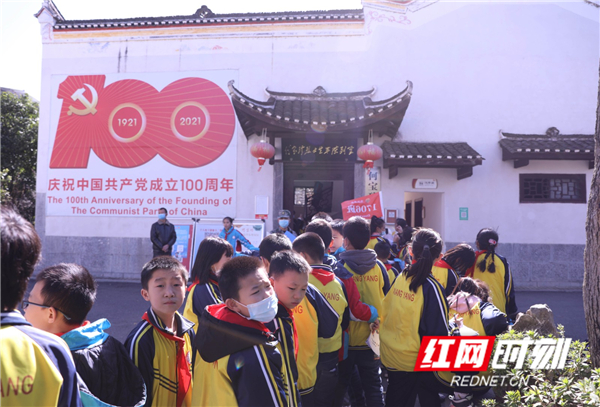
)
(162, 235)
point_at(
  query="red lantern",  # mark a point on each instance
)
(369, 153)
(263, 151)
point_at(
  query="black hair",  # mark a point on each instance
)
(164, 209)
(272, 243)
(426, 247)
(69, 288)
(288, 260)
(338, 226)
(487, 239)
(311, 244)
(461, 257)
(407, 235)
(322, 215)
(229, 218)
(474, 287)
(321, 227)
(162, 263)
(209, 253)
(376, 223)
(357, 231)
(21, 248)
(401, 222)
(233, 271)
(383, 249)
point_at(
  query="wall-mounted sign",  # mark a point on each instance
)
(319, 149)
(422, 183)
(391, 215)
(463, 213)
(373, 180)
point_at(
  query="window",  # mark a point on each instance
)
(561, 188)
(302, 195)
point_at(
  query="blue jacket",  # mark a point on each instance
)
(233, 236)
(105, 367)
(36, 366)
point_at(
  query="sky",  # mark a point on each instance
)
(20, 40)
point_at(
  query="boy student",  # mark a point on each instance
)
(241, 363)
(372, 281)
(271, 244)
(337, 238)
(322, 228)
(310, 246)
(313, 316)
(161, 344)
(37, 367)
(383, 250)
(101, 360)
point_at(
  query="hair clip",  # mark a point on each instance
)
(493, 242)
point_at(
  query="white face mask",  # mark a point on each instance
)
(284, 223)
(262, 311)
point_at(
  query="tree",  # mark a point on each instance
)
(591, 277)
(19, 133)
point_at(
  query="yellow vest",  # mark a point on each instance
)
(334, 293)
(494, 280)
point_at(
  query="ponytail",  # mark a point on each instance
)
(376, 223)
(487, 239)
(426, 246)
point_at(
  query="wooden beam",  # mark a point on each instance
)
(521, 162)
(591, 165)
(393, 171)
(464, 172)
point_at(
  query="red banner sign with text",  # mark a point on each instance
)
(365, 206)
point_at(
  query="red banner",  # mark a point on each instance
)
(366, 206)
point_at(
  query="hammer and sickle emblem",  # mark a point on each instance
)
(90, 107)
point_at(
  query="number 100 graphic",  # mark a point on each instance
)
(189, 123)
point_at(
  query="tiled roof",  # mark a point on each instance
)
(430, 155)
(545, 146)
(204, 16)
(321, 111)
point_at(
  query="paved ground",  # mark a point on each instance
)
(123, 305)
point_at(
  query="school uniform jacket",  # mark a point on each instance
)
(241, 362)
(392, 271)
(372, 283)
(236, 239)
(374, 240)
(199, 297)
(314, 318)
(409, 316)
(444, 274)
(500, 282)
(37, 367)
(165, 360)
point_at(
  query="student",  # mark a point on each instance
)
(39, 364)
(461, 258)
(377, 226)
(415, 307)
(322, 215)
(235, 238)
(161, 344)
(213, 253)
(272, 244)
(311, 247)
(314, 317)
(372, 281)
(471, 307)
(493, 269)
(384, 251)
(102, 361)
(337, 238)
(445, 275)
(241, 360)
(323, 229)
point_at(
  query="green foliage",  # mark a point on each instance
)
(575, 385)
(19, 152)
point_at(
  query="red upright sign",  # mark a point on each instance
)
(366, 206)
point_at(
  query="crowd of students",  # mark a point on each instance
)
(292, 326)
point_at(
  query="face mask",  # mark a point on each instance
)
(262, 311)
(161, 216)
(284, 223)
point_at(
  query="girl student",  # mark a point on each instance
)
(213, 253)
(493, 269)
(471, 307)
(460, 257)
(377, 230)
(235, 237)
(414, 307)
